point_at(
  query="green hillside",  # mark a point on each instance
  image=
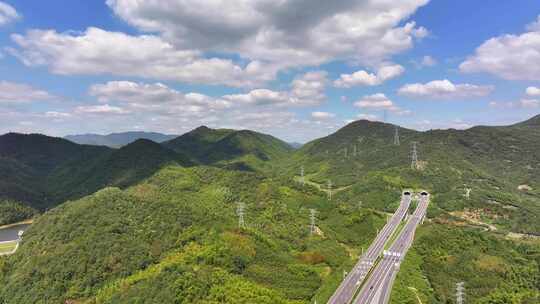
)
(169, 233)
(120, 168)
(40, 172)
(491, 161)
(175, 238)
(242, 150)
(28, 161)
(197, 142)
(163, 240)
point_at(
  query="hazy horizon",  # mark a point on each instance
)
(284, 139)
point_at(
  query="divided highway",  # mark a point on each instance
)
(346, 291)
(378, 286)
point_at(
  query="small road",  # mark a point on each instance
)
(346, 291)
(378, 286)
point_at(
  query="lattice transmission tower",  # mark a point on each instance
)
(330, 190)
(312, 220)
(240, 211)
(414, 155)
(396, 137)
(460, 293)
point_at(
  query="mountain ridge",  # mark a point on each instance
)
(117, 139)
(240, 149)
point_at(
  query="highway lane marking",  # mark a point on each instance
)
(346, 290)
(400, 245)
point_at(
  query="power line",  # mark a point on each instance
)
(240, 211)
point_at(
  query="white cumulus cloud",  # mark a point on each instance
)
(11, 92)
(7, 13)
(529, 103)
(533, 91)
(363, 78)
(260, 97)
(96, 52)
(56, 114)
(288, 32)
(444, 89)
(378, 101)
(100, 109)
(235, 43)
(322, 115)
(371, 117)
(306, 90)
(512, 57)
(157, 98)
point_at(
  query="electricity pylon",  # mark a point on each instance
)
(302, 178)
(329, 190)
(460, 293)
(414, 156)
(312, 219)
(396, 137)
(240, 211)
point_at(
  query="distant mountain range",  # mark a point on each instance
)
(117, 140)
(295, 145)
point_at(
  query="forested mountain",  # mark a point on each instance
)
(243, 150)
(39, 172)
(117, 140)
(169, 233)
(491, 161)
(198, 141)
(120, 168)
(27, 163)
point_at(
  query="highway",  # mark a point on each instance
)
(378, 286)
(346, 291)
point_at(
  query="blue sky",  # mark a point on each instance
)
(298, 69)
